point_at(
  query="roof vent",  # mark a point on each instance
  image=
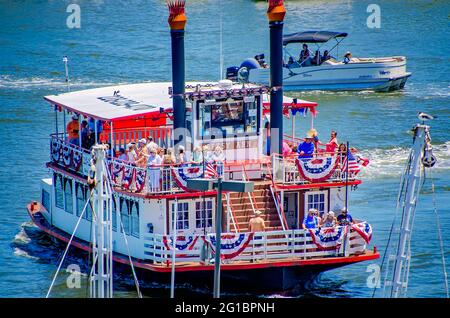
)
(225, 84)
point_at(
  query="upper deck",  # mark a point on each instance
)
(224, 132)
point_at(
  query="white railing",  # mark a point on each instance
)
(273, 245)
(285, 171)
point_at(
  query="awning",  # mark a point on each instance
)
(312, 37)
(119, 102)
(290, 104)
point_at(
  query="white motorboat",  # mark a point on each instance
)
(312, 73)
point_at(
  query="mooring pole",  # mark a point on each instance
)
(276, 13)
(216, 293)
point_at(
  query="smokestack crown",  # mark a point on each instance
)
(276, 10)
(177, 18)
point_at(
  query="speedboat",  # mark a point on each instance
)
(329, 73)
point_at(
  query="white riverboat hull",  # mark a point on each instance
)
(380, 74)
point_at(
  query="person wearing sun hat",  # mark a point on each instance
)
(306, 148)
(73, 128)
(347, 57)
(257, 223)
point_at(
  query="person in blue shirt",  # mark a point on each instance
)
(345, 218)
(347, 57)
(310, 221)
(306, 148)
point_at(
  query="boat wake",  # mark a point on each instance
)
(387, 163)
(9, 82)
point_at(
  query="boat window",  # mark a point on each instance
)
(134, 218)
(68, 198)
(182, 215)
(114, 213)
(80, 198)
(46, 200)
(203, 214)
(59, 193)
(228, 118)
(124, 215)
(316, 200)
(88, 213)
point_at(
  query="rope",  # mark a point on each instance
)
(67, 249)
(441, 244)
(136, 282)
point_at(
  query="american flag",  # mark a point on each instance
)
(210, 171)
(353, 165)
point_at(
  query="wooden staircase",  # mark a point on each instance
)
(242, 210)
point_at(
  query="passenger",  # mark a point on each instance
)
(342, 154)
(84, 131)
(161, 152)
(316, 215)
(329, 220)
(132, 155)
(326, 56)
(347, 57)
(73, 128)
(181, 156)
(169, 158)
(287, 149)
(91, 125)
(310, 221)
(154, 162)
(331, 146)
(316, 59)
(151, 143)
(306, 148)
(345, 218)
(142, 153)
(304, 54)
(123, 156)
(218, 158)
(256, 223)
(197, 155)
(89, 140)
(266, 138)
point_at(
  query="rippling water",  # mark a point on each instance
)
(128, 42)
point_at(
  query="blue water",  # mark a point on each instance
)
(128, 42)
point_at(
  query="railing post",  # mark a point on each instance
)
(304, 244)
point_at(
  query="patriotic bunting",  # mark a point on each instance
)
(184, 173)
(128, 176)
(364, 229)
(316, 170)
(186, 242)
(77, 159)
(231, 244)
(328, 237)
(141, 176)
(56, 150)
(67, 156)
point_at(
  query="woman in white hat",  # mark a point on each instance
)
(347, 57)
(329, 220)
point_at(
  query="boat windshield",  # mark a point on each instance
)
(228, 118)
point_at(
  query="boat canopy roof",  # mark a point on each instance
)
(117, 102)
(290, 104)
(312, 37)
(145, 100)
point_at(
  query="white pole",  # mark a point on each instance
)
(102, 238)
(400, 277)
(174, 244)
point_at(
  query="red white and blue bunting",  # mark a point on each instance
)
(184, 173)
(56, 150)
(128, 176)
(318, 169)
(140, 177)
(182, 242)
(116, 168)
(364, 229)
(67, 156)
(231, 244)
(328, 237)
